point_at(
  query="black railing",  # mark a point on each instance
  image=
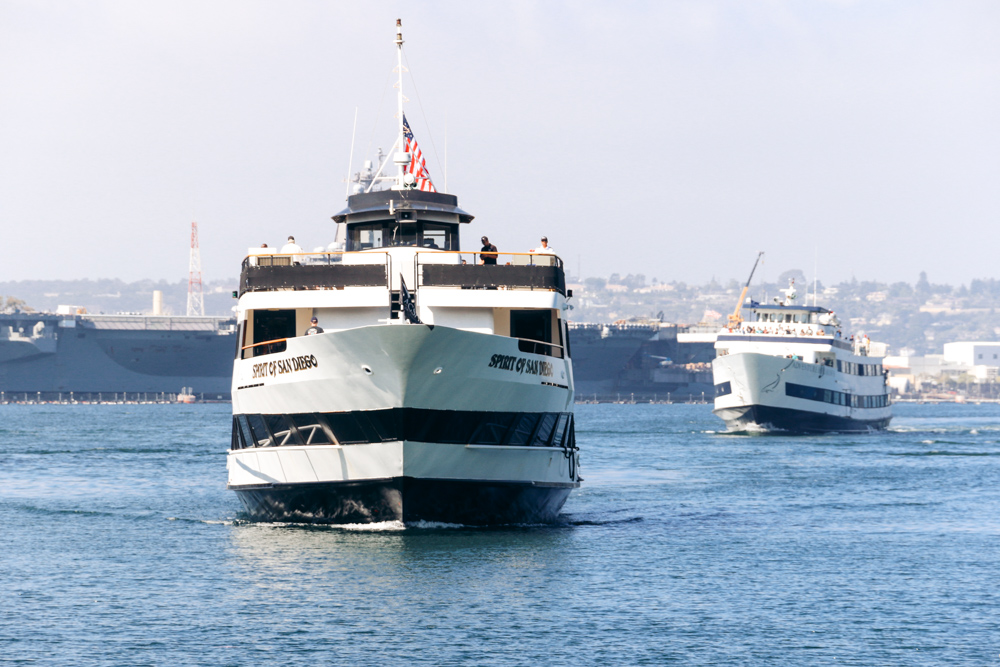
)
(494, 276)
(261, 278)
(328, 271)
(540, 347)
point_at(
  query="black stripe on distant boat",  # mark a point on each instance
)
(796, 421)
(460, 427)
(821, 395)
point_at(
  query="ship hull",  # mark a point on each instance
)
(129, 355)
(405, 499)
(764, 392)
(771, 418)
(419, 423)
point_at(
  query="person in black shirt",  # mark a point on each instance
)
(487, 255)
(315, 328)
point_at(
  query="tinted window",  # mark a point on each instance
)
(436, 236)
(493, 427)
(531, 324)
(523, 428)
(259, 430)
(282, 431)
(310, 427)
(272, 325)
(345, 427)
(545, 426)
(365, 236)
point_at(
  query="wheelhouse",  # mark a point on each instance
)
(395, 218)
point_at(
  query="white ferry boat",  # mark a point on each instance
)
(440, 388)
(787, 367)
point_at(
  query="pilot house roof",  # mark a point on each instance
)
(414, 200)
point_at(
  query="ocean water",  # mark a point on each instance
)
(119, 545)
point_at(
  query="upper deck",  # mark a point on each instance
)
(792, 324)
(267, 271)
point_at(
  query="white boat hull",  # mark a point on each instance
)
(758, 392)
(439, 409)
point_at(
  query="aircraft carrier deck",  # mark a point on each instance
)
(46, 355)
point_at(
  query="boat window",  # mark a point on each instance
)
(493, 428)
(362, 237)
(383, 422)
(346, 428)
(435, 237)
(272, 325)
(559, 434)
(544, 432)
(311, 429)
(402, 235)
(237, 441)
(283, 432)
(523, 429)
(531, 324)
(545, 428)
(259, 430)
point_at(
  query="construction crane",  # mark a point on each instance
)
(736, 319)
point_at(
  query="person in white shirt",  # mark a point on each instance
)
(291, 247)
(544, 249)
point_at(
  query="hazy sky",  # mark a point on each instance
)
(673, 139)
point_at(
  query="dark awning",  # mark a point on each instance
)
(413, 200)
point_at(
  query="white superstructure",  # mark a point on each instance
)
(788, 367)
(440, 388)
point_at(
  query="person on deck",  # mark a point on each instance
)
(291, 247)
(544, 249)
(487, 254)
(315, 328)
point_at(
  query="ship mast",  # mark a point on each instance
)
(401, 158)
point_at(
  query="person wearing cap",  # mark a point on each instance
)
(315, 328)
(291, 247)
(544, 249)
(487, 255)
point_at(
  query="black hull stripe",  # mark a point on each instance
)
(519, 429)
(796, 421)
(405, 499)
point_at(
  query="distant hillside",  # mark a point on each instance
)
(117, 296)
(920, 317)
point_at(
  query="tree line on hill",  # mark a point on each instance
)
(917, 318)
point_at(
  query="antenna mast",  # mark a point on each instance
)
(401, 158)
(196, 297)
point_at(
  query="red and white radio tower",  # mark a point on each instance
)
(196, 298)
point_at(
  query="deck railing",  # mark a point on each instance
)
(432, 268)
(308, 271)
(512, 270)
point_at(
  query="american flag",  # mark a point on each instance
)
(417, 165)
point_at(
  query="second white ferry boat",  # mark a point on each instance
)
(435, 385)
(787, 367)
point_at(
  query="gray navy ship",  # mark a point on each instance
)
(642, 360)
(44, 356)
